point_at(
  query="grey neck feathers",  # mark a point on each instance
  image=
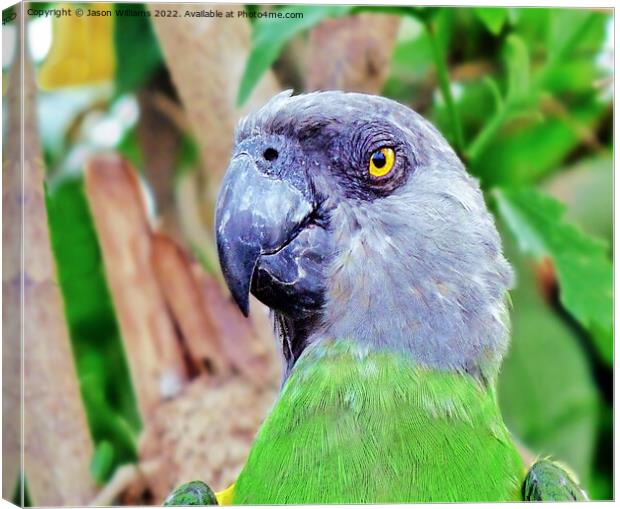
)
(427, 279)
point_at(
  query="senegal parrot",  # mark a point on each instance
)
(354, 221)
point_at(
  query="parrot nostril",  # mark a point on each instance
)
(271, 154)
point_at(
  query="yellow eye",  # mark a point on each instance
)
(381, 162)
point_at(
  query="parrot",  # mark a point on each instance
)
(354, 221)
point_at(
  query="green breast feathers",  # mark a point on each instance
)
(356, 426)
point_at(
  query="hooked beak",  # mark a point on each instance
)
(256, 215)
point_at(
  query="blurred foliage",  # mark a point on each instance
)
(547, 391)
(137, 51)
(103, 373)
(524, 95)
(583, 267)
(270, 35)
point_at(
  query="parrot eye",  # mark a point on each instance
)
(381, 162)
(271, 154)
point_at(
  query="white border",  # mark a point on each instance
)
(516, 3)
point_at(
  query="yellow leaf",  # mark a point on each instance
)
(82, 51)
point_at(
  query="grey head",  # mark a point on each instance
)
(351, 217)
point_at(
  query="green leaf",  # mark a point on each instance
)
(518, 94)
(575, 76)
(582, 264)
(478, 101)
(271, 34)
(102, 461)
(520, 154)
(443, 79)
(136, 48)
(583, 35)
(188, 157)
(493, 18)
(412, 58)
(546, 391)
(103, 373)
(573, 29)
(491, 84)
(534, 25)
(129, 148)
(586, 188)
(517, 66)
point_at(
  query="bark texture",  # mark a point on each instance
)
(57, 444)
(351, 53)
(153, 351)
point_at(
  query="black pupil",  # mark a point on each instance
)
(271, 154)
(378, 159)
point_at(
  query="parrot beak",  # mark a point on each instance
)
(257, 215)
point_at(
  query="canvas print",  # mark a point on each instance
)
(306, 254)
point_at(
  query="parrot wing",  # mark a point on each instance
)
(548, 481)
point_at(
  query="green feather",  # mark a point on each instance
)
(357, 427)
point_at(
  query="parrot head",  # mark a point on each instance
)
(351, 217)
